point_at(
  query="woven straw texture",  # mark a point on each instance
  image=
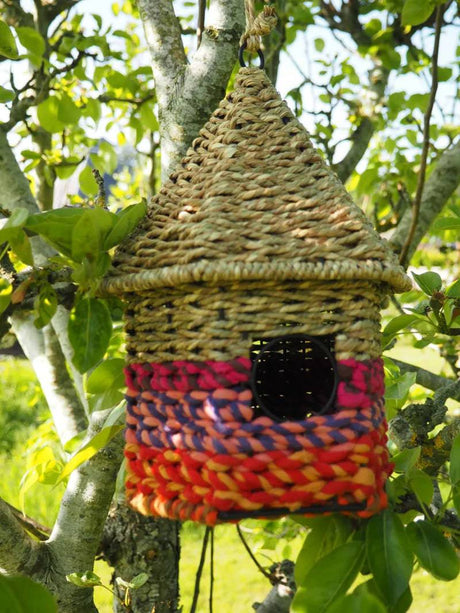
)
(252, 200)
(196, 449)
(253, 237)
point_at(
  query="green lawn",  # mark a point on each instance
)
(237, 581)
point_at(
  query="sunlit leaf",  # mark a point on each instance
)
(429, 282)
(8, 46)
(87, 182)
(127, 220)
(56, 226)
(100, 440)
(454, 469)
(329, 578)
(326, 534)
(433, 550)
(89, 233)
(48, 115)
(90, 328)
(406, 459)
(421, 484)
(389, 555)
(358, 602)
(6, 95)
(22, 595)
(32, 40)
(86, 579)
(106, 375)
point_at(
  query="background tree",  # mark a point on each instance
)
(371, 82)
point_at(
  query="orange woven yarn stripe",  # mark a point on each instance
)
(184, 484)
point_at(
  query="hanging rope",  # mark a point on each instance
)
(256, 27)
(199, 571)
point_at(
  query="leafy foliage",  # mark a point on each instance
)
(367, 71)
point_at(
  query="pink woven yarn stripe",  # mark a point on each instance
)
(185, 376)
(360, 382)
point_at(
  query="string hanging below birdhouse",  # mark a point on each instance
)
(253, 290)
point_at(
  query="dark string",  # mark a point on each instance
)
(252, 556)
(211, 581)
(199, 571)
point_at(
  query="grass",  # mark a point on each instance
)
(237, 581)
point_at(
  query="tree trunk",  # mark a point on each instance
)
(134, 544)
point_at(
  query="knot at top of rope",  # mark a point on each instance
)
(258, 26)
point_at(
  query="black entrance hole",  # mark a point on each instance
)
(293, 376)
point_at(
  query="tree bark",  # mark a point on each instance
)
(188, 93)
(439, 187)
(133, 544)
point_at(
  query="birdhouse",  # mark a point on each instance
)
(253, 290)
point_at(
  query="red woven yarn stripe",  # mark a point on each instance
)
(185, 376)
(352, 472)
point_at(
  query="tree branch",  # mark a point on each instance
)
(439, 186)
(19, 553)
(378, 79)
(188, 94)
(426, 140)
(43, 350)
(426, 378)
(15, 187)
(77, 533)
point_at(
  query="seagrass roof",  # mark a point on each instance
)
(252, 199)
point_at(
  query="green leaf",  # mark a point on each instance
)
(127, 220)
(90, 328)
(399, 388)
(21, 246)
(108, 374)
(331, 577)
(109, 399)
(453, 291)
(6, 95)
(358, 602)
(17, 219)
(56, 226)
(98, 442)
(398, 323)
(406, 459)
(421, 484)
(22, 595)
(416, 11)
(148, 117)
(319, 44)
(32, 40)
(87, 182)
(48, 115)
(86, 579)
(326, 534)
(454, 469)
(138, 581)
(433, 550)
(45, 305)
(429, 282)
(456, 497)
(5, 294)
(89, 233)
(446, 223)
(68, 111)
(404, 602)
(7, 43)
(389, 555)
(92, 109)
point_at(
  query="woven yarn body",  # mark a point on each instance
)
(252, 238)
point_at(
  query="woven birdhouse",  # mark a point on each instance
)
(253, 290)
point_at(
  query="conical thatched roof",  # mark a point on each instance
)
(252, 199)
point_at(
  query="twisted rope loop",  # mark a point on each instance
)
(259, 26)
